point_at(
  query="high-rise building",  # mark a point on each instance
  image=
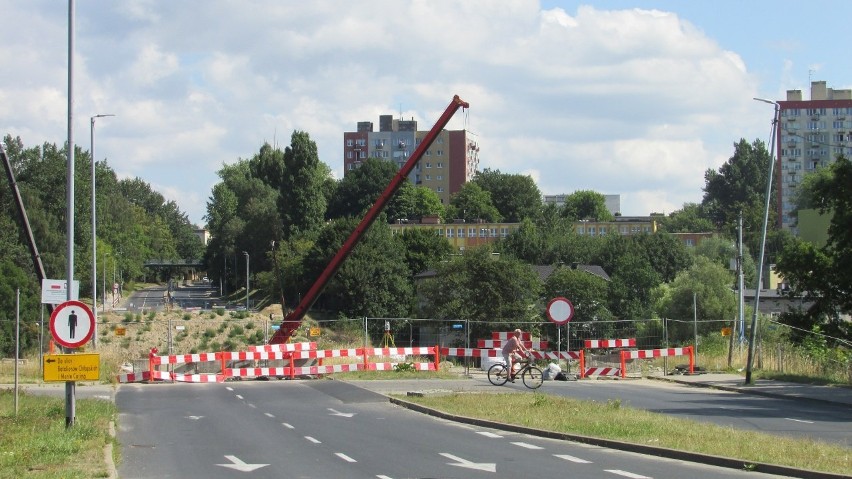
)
(811, 134)
(449, 163)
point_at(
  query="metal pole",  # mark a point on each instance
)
(247, 279)
(695, 323)
(94, 228)
(70, 386)
(753, 333)
(17, 342)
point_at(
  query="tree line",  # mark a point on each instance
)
(134, 224)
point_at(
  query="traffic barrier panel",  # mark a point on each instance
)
(499, 343)
(610, 343)
(658, 353)
(504, 335)
(602, 372)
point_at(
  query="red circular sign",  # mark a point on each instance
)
(72, 324)
(560, 310)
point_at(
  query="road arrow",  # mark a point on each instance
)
(240, 465)
(343, 414)
(482, 466)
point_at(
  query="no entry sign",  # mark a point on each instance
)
(72, 324)
(560, 310)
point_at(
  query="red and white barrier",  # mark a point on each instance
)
(658, 353)
(499, 343)
(504, 335)
(610, 343)
(602, 372)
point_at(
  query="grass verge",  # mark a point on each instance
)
(36, 444)
(616, 422)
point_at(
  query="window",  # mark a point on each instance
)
(471, 232)
(439, 177)
(450, 232)
(441, 140)
(362, 154)
(483, 232)
(689, 242)
(349, 142)
(350, 166)
(428, 152)
(361, 142)
(349, 154)
(591, 230)
(504, 232)
(439, 165)
(428, 165)
(440, 190)
(441, 152)
(428, 177)
(460, 233)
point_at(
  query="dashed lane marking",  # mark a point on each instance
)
(268, 414)
(344, 457)
(288, 426)
(527, 445)
(626, 474)
(313, 440)
(489, 434)
(572, 459)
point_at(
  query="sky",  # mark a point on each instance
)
(634, 98)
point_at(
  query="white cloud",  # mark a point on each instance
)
(631, 102)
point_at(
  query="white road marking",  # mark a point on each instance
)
(239, 397)
(626, 474)
(335, 412)
(229, 388)
(482, 466)
(313, 440)
(268, 415)
(798, 420)
(344, 457)
(572, 459)
(490, 434)
(527, 445)
(241, 466)
(288, 426)
(381, 476)
(252, 406)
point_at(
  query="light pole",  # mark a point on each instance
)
(753, 333)
(247, 280)
(94, 228)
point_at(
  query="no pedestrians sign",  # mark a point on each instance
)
(72, 324)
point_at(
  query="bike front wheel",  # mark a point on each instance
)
(497, 374)
(532, 377)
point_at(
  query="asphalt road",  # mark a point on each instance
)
(330, 429)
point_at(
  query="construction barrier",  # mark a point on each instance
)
(607, 344)
(658, 353)
(288, 352)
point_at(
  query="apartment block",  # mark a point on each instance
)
(446, 165)
(811, 134)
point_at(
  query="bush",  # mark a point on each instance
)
(187, 316)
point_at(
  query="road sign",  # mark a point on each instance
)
(55, 291)
(560, 310)
(314, 332)
(72, 367)
(120, 331)
(72, 324)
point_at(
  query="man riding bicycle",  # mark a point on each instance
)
(512, 346)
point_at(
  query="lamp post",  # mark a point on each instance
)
(247, 280)
(753, 333)
(94, 228)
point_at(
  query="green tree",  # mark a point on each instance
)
(716, 305)
(472, 203)
(491, 293)
(689, 219)
(359, 190)
(302, 202)
(423, 249)
(824, 275)
(587, 293)
(722, 251)
(515, 196)
(739, 185)
(585, 204)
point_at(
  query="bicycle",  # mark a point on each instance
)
(531, 375)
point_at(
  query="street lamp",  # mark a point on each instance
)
(94, 228)
(753, 334)
(247, 280)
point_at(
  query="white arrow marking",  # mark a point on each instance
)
(343, 414)
(482, 466)
(194, 418)
(239, 465)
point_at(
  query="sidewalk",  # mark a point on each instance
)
(765, 387)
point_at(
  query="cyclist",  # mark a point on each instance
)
(513, 345)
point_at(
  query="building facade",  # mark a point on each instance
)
(612, 202)
(811, 134)
(446, 165)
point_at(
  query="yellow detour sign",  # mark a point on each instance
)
(315, 332)
(120, 331)
(726, 331)
(72, 367)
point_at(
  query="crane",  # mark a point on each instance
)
(294, 318)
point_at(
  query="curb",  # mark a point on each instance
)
(624, 446)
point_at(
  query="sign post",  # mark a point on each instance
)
(560, 311)
(72, 325)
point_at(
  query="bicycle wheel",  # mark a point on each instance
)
(532, 377)
(497, 374)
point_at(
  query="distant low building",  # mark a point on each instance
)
(203, 234)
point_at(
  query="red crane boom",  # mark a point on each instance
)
(294, 319)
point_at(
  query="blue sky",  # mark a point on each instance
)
(632, 98)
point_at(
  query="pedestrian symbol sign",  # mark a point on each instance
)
(72, 324)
